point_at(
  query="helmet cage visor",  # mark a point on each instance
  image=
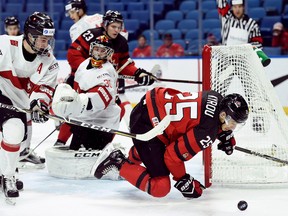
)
(41, 44)
(99, 51)
(232, 124)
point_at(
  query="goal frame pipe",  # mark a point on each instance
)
(206, 85)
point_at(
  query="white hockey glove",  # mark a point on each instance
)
(67, 102)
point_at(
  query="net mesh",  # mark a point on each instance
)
(238, 69)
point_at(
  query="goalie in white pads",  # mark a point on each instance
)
(28, 72)
(94, 98)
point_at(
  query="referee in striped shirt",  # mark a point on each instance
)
(238, 27)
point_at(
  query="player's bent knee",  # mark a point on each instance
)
(160, 186)
(13, 131)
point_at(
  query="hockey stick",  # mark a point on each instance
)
(279, 80)
(129, 61)
(157, 130)
(130, 86)
(27, 155)
(163, 80)
(268, 157)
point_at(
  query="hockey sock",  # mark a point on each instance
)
(64, 133)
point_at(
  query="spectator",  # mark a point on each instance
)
(12, 26)
(280, 38)
(212, 40)
(238, 27)
(169, 48)
(143, 49)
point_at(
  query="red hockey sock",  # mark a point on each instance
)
(64, 132)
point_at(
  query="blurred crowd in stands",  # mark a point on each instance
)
(179, 28)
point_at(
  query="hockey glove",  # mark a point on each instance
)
(189, 187)
(67, 102)
(142, 77)
(227, 142)
(39, 108)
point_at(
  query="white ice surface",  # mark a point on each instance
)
(44, 195)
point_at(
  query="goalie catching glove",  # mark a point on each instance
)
(67, 102)
(142, 77)
(227, 142)
(189, 187)
(39, 108)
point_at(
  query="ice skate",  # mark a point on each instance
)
(19, 183)
(59, 143)
(105, 165)
(31, 159)
(9, 189)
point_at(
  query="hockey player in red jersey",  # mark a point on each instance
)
(79, 51)
(28, 73)
(111, 27)
(197, 120)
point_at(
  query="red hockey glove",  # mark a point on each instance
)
(189, 187)
(39, 109)
(142, 77)
(227, 142)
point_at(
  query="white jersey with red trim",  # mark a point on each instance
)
(21, 80)
(86, 22)
(101, 86)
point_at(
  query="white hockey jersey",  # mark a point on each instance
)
(21, 80)
(86, 22)
(101, 86)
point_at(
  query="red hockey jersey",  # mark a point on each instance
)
(79, 50)
(194, 125)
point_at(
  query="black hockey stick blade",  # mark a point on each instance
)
(268, 157)
(279, 80)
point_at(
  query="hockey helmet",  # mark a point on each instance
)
(100, 50)
(39, 24)
(235, 106)
(237, 2)
(75, 5)
(11, 20)
(112, 16)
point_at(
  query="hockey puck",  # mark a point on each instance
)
(242, 205)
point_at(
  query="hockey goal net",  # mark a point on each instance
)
(238, 69)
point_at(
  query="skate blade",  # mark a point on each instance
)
(10, 200)
(28, 165)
